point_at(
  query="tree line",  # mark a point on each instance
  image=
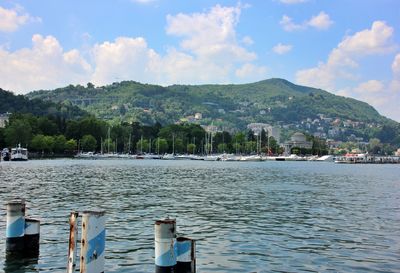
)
(55, 134)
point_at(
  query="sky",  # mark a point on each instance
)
(347, 47)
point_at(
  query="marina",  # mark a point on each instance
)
(255, 217)
(350, 158)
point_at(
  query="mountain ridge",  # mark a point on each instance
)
(272, 93)
(230, 106)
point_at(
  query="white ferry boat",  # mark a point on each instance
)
(19, 154)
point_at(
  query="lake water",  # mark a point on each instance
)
(245, 216)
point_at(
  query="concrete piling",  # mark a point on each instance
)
(31, 237)
(186, 260)
(93, 242)
(15, 230)
(73, 237)
(165, 245)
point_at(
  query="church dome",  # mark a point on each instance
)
(298, 137)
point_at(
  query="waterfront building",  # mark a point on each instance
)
(4, 119)
(269, 130)
(298, 140)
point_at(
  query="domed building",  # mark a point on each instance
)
(297, 140)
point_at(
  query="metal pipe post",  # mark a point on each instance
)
(73, 237)
(31, 237)
(15, 226)
(165, 246)
(186, 261)
(93, 242)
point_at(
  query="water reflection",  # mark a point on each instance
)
(20, 264)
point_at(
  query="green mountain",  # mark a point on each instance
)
(20, 104)
(275, 101)
(270, 101)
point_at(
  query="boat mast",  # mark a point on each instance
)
(141, 144)
(173, 144)
(108, 147)
(129, 145)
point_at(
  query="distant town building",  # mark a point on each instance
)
(297, 140)
(198, 116)
(4, 119)
(210, 128)
(269, 130)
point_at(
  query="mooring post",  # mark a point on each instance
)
(73, 237)
(165, 246)
(93, 242)
(15, 226)
(31, 237)
(186, 260)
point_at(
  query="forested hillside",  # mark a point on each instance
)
(20, 104)
(272, 101)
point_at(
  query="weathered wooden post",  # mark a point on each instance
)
(93, 242)
(73, 237)
(186, 260)
(165, 246)
(15, 230)
(31, 237)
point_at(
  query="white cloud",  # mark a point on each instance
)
(342, 60)
(210, 35)
(342, 66)
(247, 40)
(292, 1)
(377, 94)
(370, 87)
(209, 52)
(396, 66)
(282, 48)
(395, 84)
(124, 59)
(249, 70)
(45, 65)
(288, 24)
(322, 21)
(12, 19)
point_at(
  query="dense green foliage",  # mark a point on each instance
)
(273, 101)
(91, 134)
(20, 104)
(235, 105)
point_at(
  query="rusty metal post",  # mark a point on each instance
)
(73, 237)
(165, 246)
(93, 242)
(31, 237)
(15, 226)
(186, 260)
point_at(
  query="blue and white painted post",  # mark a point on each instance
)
(31, 237)
(165, 246)
(15, 230)
(93, 242)
(186, 261)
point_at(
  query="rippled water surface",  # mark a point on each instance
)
(245, 216)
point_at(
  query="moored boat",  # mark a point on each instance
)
(5, 154)
(19, 154)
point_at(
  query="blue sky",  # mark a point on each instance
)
(349, 47)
